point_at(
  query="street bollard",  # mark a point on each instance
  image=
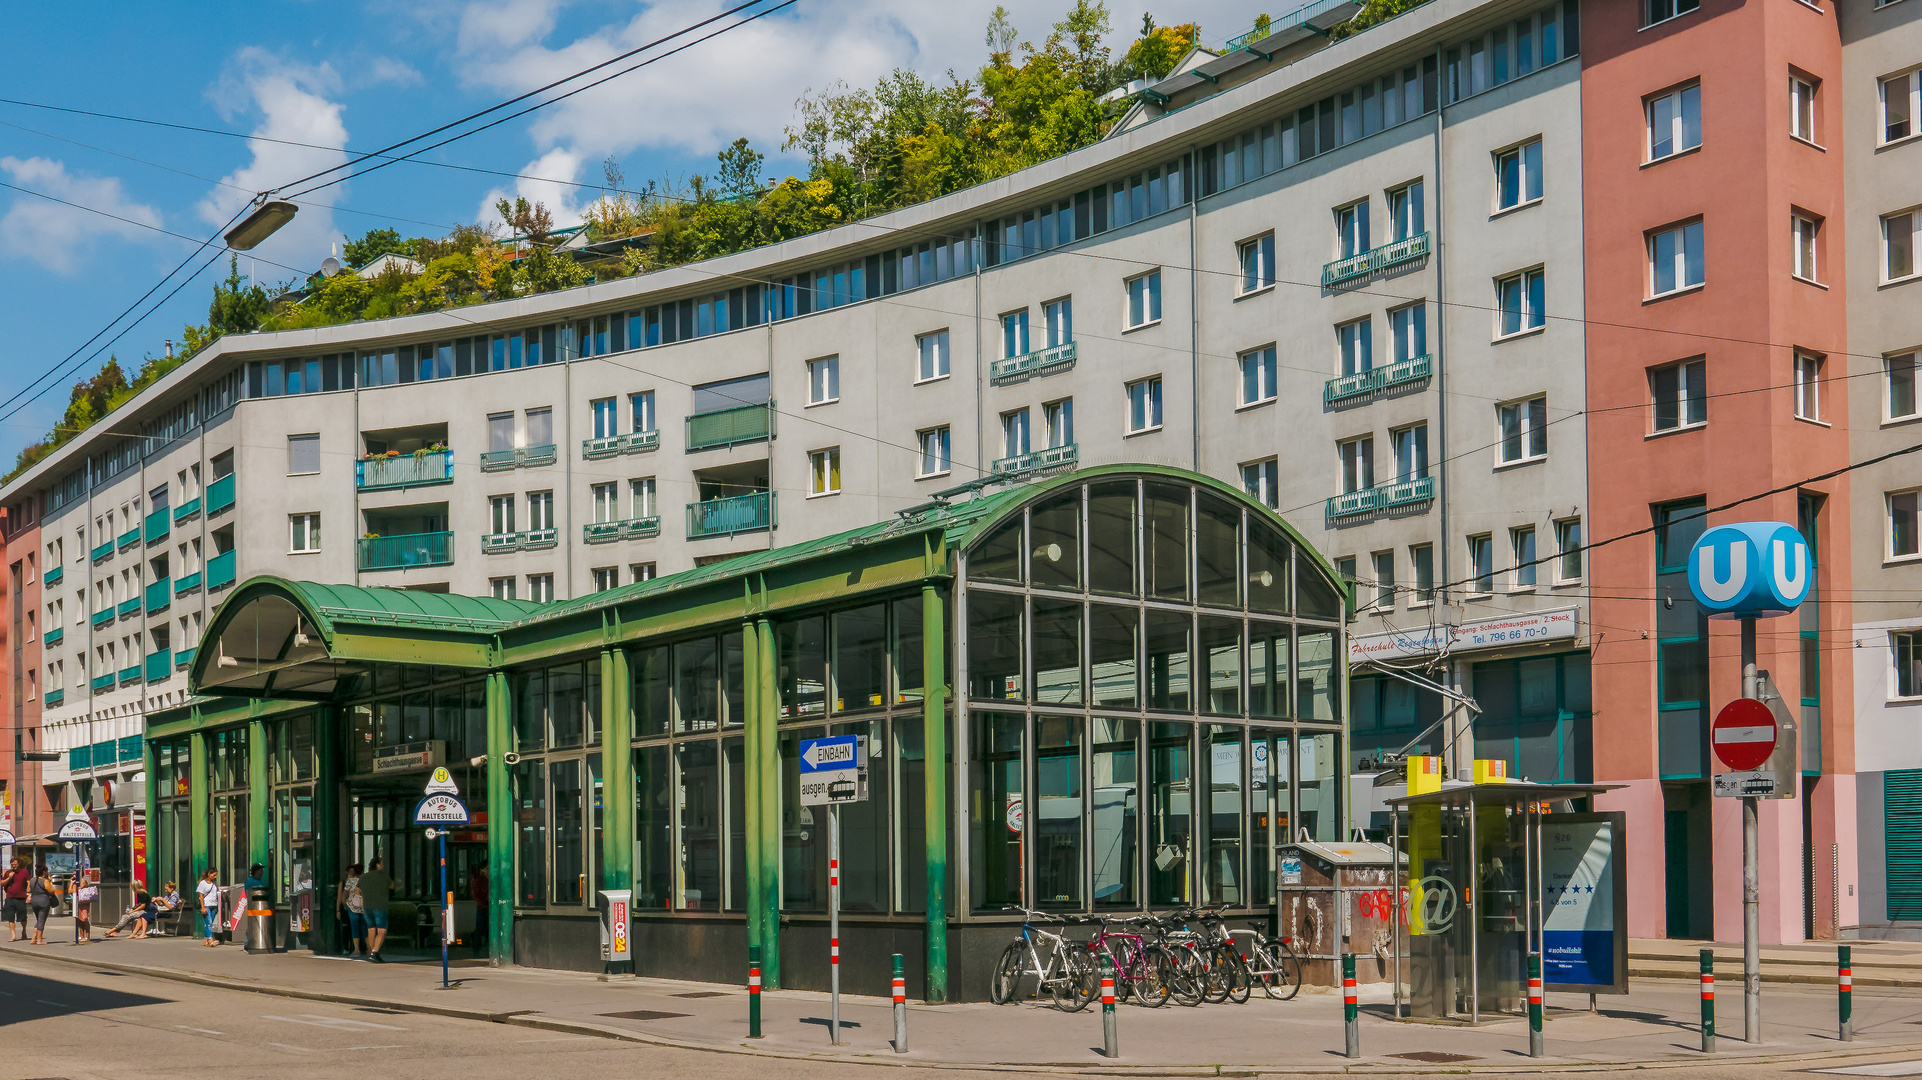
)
(1708, 1001)
(753, 991)
(900, 1008)
(1110, 1039)
(1535, 1047)
(1350, 1006)
(1845, 992)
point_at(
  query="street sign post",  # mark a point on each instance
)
(441, 808)
(834, 770)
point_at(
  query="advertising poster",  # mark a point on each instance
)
(139, 849)
(1584, 921)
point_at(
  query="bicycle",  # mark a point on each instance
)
(1068, 976)
(1272, 962)
(1202, 973)
(1141, 970)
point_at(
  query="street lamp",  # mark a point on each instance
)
(266, 220)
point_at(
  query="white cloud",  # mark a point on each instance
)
(292, 104)
(565, 201)
(60, 237)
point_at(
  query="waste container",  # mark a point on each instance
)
(617, 956)
(257, 922)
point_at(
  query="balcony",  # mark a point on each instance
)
(1374, 261)
(186, 583)
(1037, 460)
(54, 697)
(160, 665)
(183, 658)
(103, 616)
(418, 469)
(130, 674)
(129, 606)
(1032, 365)
(1381, 497)
(728, 517)
(1377, 380)
(634, 442)
(406, 551)
(54, 636)
(104, 551)
(101, 682)
(640, 528)
(540, 539)
(53, 576)
(220, 571)
(524, 457)
(159, 524)
(220, 495)
(186, 510)
(500, 543)
(159, 595)
(128, 539)
(719, 428)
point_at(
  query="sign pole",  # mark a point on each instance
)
(834, 925)
(1751, 874)
(446, 910)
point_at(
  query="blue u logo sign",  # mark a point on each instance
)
(1753, 569)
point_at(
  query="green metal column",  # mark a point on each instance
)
(259, 792)
(751, 771)
(332, 830)
(934, 770)
(501, 885)
(198, 779)
(150, 763)
(766, 783)
(617, 773)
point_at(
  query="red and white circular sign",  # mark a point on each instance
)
(1743, 734)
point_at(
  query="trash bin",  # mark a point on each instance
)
(258, 922)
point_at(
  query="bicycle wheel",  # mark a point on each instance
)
(1153, 974)
(1287, 971)
(1234, 971)
(1220, 969)
(1077, 981)
(1007, 973)
(1189, 985)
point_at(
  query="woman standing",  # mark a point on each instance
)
(85, 892)
(40, 898)
(209, 892)
(352, 908)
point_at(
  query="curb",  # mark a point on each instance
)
(1375, 1066)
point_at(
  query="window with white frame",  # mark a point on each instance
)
(1144, 404)
(641, 497)
(501, 588)
(1411, 452)
(932, 353)
(1355, 346)
(1568, 550)
(540, 588)
(1521, 545)
(824, 471)
(606, 577)
(540, 510)
(607, 418)
(1654, 11)
(1357, 464)
(1257, 259)
(500, 514)
(1407, 214)
(1345, 568)
(1257, 375)
(1905, 649)
(1144, 299)
(642, 571)
(540, 426)
(1014, 334)
(1802, 108)
(1674, 122)
(1383, 564)
(1518, 302)
(1899, 243)
(1057, 317)
(1808, 386)
(1421, 565)
(1059, 417)
(934, 460)
(1901, 98)
(607, 502)
(824, 380)
(641, 410)
(1481, 563)
(1899, 374)
(1679, 393)
(1351, 230)
(1675, 259)
(1902, 524)
(1803, 232)
(1408, 332)
(1262, 480)
(303, 454)
(1014, 433)
(1522, 430)
(303, 533)
(1518, 175)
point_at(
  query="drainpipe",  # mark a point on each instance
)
(1194, 316)
(1460, 737)
(980, 392)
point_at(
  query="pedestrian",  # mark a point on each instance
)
(15, 884)
(351, 909)
(40, 899)
(256, 877)
(85, 892)
(376, 885)
(209, 891)
(165, 902)
(477, 892)
(136, 917)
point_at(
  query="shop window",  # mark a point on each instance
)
(802, 646)
(860, 658)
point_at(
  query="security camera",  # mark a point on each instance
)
(477, 761)
(510, 758)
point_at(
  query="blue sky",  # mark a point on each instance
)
(356, 75)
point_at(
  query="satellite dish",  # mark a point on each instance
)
(329, 266)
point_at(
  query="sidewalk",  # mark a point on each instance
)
(1655, 1025)
(1875, 963)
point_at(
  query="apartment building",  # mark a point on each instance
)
(1456, 296)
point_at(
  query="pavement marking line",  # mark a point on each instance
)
(1885, 1068)
(332, 1023)
(204, 1031)
(291, 1046)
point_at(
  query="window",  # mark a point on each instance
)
(1060, 420)
(1406, 216)
(1898, 244)
(540, 588)
(502, 588)
(933, 351)
(1258, 375)
(1568, 550)
(824, 380)
(1421, 559)
(641, 494)
(1351, 230)
(1674, 122)
(934, 452)
(1257, 259)
(1144, 299)
(606, 577)
(1518, 175)
(1802, 108)
(1675, 259)
(1411, 452)
(1014, 433)
(1904, 645)
(1481, 562)
(824, 471)
(641, 571)
(500, 431)
(1901, 380)
(1357, 464)
(642, 407)
(1144, 405)
(1355, 342)
(1518, 299)
(1802, 234)
(1014, 334)
(1901, 105)
(540, 510)
(1384, 565)
(606, 418)
(1902, 524)
(1408, 332)
(1680, 394)
(1523, 429)
(1655, 11)
(607, 503)
(1808, 387)
(303, 533)
(500, 514)
(1058, 315)
(303, 454)
(540, 427)
(1345, 568)
(1521, 543)
(1262, 479)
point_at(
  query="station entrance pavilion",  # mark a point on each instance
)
(1131, 681)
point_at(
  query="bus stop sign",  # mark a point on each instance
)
(1743, 734)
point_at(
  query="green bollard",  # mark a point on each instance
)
(1350, 1006)
(1110, 1038)
(1708, 1001)
(1535, 1047)
(1845, 992)
(753, 991)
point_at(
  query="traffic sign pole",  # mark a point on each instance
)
(834, 925)
(447, 909)
(1751, 873)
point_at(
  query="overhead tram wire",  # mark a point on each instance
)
(136, 224)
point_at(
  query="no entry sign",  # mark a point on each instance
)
(1743, 734)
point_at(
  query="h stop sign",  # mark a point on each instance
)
(1743, 734)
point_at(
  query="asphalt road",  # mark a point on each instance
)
(61, 1021)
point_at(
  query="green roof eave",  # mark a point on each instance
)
(207, 712)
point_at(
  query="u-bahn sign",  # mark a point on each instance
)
(1750, 570)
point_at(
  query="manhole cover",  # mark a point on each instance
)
(1434, 1057)
(702, 994)
(644, 1014)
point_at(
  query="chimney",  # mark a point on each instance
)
(170, 349)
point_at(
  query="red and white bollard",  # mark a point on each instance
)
(1110, 1038)
(900, 1008)
(1350, 1006)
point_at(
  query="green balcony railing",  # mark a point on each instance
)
(599, 532)
(404, 470)
(159, 595)
(406, 551)
(1374, 261)
(130, 747)
(130, 674)
(103, 616)
(1047, 458)
(159, 524)
(128, 538)
(101, 682)
(186, 510)
(54, 636)
(1382, 497)
(727, 517)
(160, 665)
(184, 657)
(220, 571)
(499, 543)
(519, 458)
(538, 539)
(53, 576)
(186, 583)
(103, 551)
(730, 427)
(54, 697)
(639, 528)
(634, 442)
(220, 495)
(1033, 365)
(130, 606)
(81, 757)
(1375, 380)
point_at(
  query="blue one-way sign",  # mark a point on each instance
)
(836, 753)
